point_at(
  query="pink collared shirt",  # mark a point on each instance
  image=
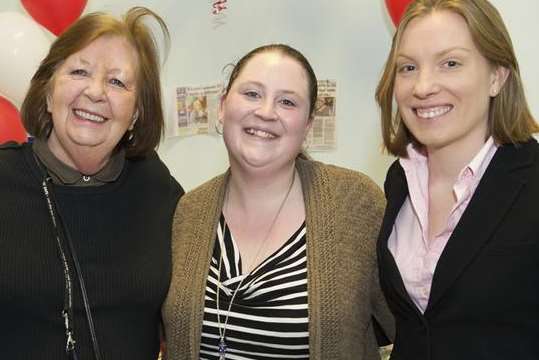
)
(415, 256)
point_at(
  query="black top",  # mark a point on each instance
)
(121, 233)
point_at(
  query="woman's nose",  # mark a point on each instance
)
(95, 89)
(426, 84)
(266, 110)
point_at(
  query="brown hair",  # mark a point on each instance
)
(510, 120)
(312, 83)
(150, 123)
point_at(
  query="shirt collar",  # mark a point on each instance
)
(417, 157)
(66, 175)
(417, 176)
(477, 165)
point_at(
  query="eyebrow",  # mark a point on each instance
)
(259, 84)
(440, 53)
(111, 71)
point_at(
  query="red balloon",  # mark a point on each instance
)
(55, 15)
(11, 128)
(396, 8)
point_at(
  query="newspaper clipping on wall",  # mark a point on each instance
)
(197, 110)
(323, 134)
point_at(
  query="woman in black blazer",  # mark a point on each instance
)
(459, 246)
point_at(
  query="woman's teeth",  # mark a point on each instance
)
(259, 133)
(427, 113)
(90, 117)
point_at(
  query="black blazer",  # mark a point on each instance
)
(484, 300)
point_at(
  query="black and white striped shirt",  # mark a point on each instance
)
(268, 318)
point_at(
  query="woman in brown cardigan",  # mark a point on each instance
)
(275, 258)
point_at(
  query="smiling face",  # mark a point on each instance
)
(92, 101)
(265, 114)
(443, 84)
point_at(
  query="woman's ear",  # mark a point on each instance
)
(222, 106)
(49, 101)
(499, 76)
(48, 96)
(308, 126)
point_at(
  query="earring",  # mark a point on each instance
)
(494, 91)
(219, 127)
(130, 132)
(133, 120)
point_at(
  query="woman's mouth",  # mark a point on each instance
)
(84, 115)
(432, 112)
(260, 133)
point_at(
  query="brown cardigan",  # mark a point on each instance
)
(343, 214)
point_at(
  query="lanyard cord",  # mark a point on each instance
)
(67, 312)
(62, 233)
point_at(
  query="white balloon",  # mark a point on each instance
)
(22, 47)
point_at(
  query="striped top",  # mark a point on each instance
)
(268, 318)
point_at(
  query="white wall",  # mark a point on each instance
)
(345, 40)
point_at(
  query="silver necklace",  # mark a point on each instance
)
(222, 347)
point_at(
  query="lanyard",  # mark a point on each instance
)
(62, 236)
(67, 312)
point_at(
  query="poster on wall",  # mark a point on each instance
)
(197, 111)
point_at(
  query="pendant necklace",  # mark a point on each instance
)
(222, 347)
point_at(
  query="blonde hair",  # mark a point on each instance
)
(510, 120)
(150, 123)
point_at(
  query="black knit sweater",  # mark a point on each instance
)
(121, 233)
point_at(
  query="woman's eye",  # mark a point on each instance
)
(451, 64)
(79, 72)
(251, 94)
(117, 82)
(406, 68)
(288, 102)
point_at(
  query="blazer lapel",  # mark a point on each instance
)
(497, 190)
(396, 189)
